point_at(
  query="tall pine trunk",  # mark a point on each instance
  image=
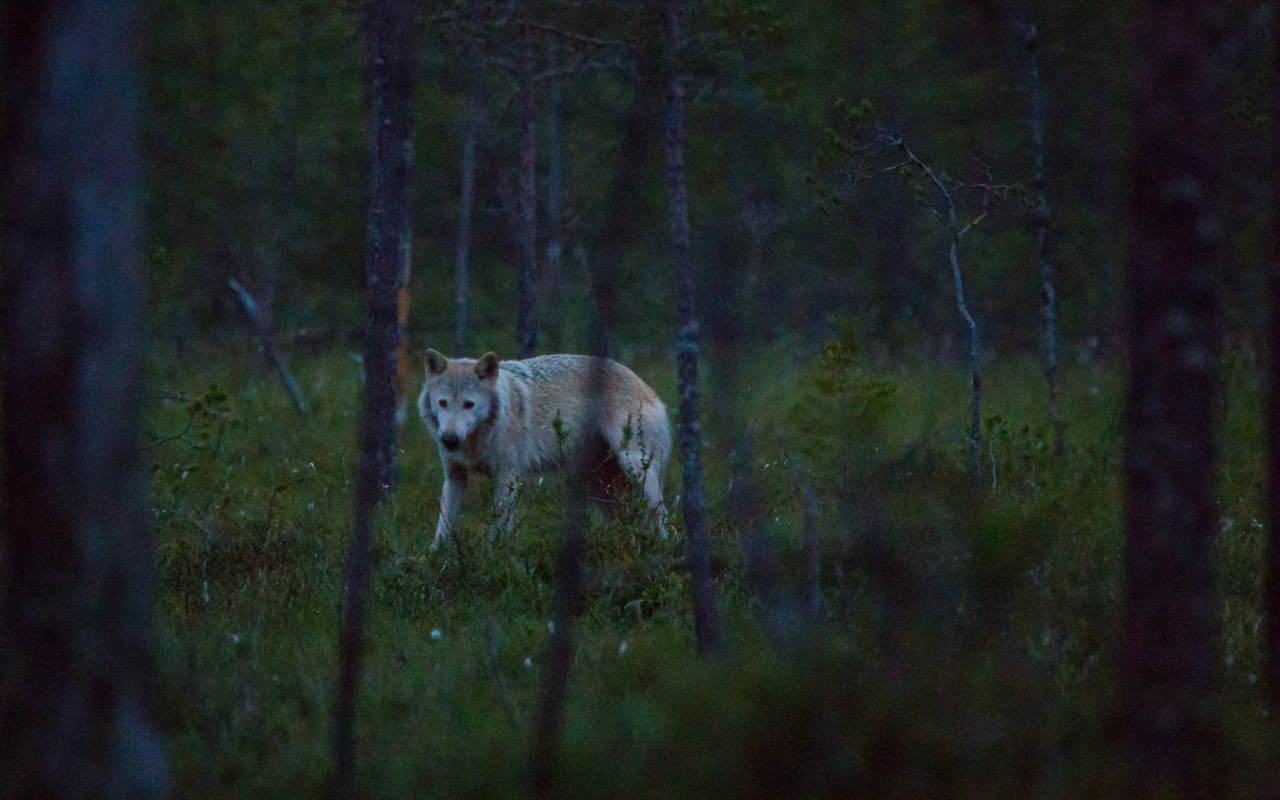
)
(693, 502)
(1169, 681)
(1049, 309)
(391, 33)
(462, 251)
(527, 199)
(76, 613)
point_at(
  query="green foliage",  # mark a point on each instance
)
(838, 406)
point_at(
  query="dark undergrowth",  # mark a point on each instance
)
(964, 645)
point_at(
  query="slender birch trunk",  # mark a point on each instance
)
(391, 32)
(1170, 625)
(953, 258)
(75, 594)
(705, 619)
(975, 367)
(1049, 309)
(527, 200)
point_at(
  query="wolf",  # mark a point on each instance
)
(509, 420)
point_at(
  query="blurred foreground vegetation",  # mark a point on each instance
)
(965, 644)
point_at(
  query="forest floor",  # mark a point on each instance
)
(965, 643)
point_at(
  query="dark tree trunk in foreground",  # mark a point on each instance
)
(466, 202)
(75, 616)
(1271, 580)
(527, 200)
(1170, 622)
(1049, 309)
(693, 501)
(549, 717)
(392, 38)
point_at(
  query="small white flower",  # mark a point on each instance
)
(435, 634)
(551, 626)
(1093, 390)
(310, 506)
(528, 662)
(1253, 678)
(622, 648)
(185, 473)
(235, 638)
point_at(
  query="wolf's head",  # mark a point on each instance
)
(458, 396)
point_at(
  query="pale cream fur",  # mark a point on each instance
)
(500, 419)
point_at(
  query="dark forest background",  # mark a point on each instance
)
(255, 142)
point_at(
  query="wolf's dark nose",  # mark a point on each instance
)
(450, 441)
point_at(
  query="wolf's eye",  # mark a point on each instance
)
(444, 404)
(468, 404)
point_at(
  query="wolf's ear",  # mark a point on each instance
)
(436, 363)
(487, 366)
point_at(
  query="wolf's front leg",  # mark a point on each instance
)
(455, 486)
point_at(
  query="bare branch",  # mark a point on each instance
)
(578, 37)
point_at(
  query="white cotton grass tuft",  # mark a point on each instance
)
(435, 634)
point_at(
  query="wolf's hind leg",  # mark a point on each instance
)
(642, 468)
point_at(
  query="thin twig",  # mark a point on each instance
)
(578, 37)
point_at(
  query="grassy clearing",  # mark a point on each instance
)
(966, 641)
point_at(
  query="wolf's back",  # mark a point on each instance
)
(543, 387)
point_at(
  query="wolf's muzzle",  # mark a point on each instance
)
(450, 441)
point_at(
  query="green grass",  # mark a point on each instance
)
(966, 644)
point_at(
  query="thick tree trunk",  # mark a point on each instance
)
(527, 201)
(466, 202)
(1049, 309)
(391, 32)
(1271, 581)
(1170, 621)
(75, 615)
(549, 718)
(693, 502)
